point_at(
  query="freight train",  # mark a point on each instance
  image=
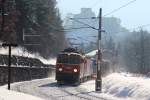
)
(73, 67)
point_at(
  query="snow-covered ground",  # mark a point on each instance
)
(117, 86)
(48, 89)
(12, 95)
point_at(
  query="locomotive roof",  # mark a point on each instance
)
(70, 50)
(69, 53)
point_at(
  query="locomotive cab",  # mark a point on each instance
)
(68, 67)
(72, 66)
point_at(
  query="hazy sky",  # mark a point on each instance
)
(135, 14)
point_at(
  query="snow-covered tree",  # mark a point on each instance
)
(136, 52)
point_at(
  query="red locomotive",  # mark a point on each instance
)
(72, 66)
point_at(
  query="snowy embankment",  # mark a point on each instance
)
(19, 51)
(12, 95)
(124, 86)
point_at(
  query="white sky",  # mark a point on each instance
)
(135, 14)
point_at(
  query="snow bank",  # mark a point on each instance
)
(123, 86)
(12, 95)
(51, 61)
(126, 85)
(19, 51)
(90, 86)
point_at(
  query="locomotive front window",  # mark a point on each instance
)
(68, 59)
(74, 59)
(62, 58)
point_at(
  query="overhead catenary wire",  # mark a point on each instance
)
(74, 28)
(84, 23)
(54, 28)
(142, 26)
(86, 39)
(67, 30)
(94, 5)
(86, 18)
(115, 10)
(83, 38)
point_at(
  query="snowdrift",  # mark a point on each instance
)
(127, 86)
(122, 86)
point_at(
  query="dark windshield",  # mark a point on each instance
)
(68, 59)
(74, 59)
(62, 58)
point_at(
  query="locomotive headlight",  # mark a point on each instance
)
(60, 69)
(75, 70)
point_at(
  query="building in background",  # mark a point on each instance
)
(83, 35)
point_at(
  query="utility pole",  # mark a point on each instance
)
(9, 45)
(142, 53)
(98, 81)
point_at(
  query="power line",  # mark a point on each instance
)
(83, 23)
(85, 18)
(74, 28)
(95, 3)
(120, 8)
(125, 5)
(85, 39)
(54, 28)
(142, 26)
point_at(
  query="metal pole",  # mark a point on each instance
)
(9, 45)
(99, 57)
(9, 68)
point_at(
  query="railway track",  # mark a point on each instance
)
(80, 93)
(48, 89)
